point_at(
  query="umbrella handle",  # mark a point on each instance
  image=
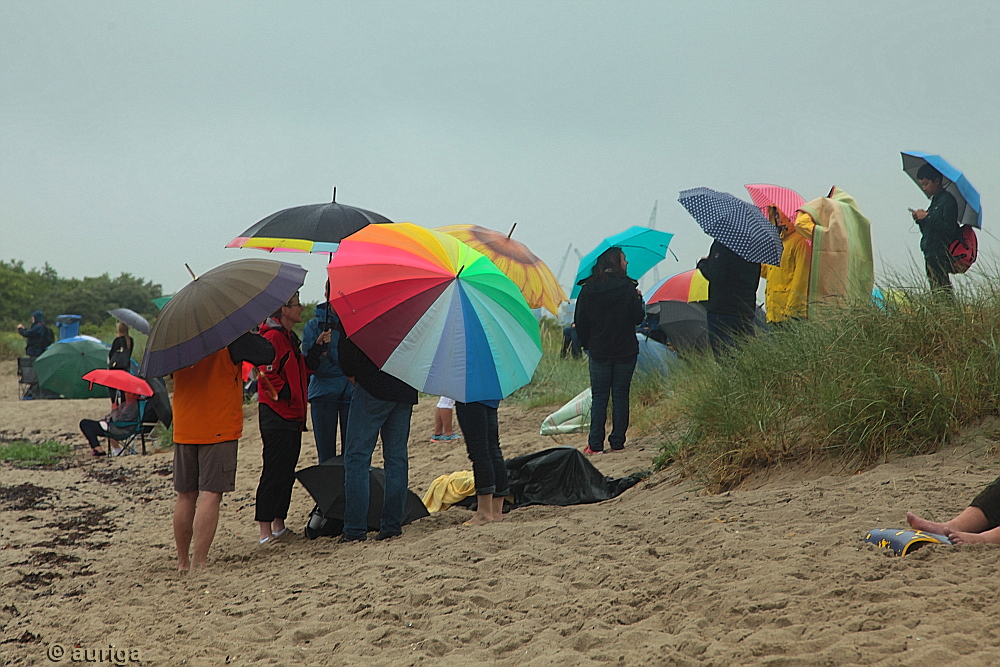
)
(268, 387)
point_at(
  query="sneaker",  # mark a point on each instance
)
(449, 438)
(437, 437)
(590, 451)
(382, 535)
(618, 449)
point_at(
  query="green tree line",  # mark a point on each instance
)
(23, 291)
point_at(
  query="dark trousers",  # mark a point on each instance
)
(725, 330)
(326, 414)
(988, 501)
(609, 380)
(282, 444)
(92, 430)
(937, 269)
(571, 342)
(481, 430)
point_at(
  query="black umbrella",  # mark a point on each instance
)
(325, 483)
(310, 228)
(160, 401)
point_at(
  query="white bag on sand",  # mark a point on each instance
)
(574, 417)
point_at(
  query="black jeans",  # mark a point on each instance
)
(481, 430)
(282, 444)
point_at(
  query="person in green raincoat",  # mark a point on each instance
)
(786, 295)
(842, 270)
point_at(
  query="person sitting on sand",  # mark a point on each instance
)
(109, 426)
(979, 523)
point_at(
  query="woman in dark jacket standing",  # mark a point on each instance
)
(607, 312)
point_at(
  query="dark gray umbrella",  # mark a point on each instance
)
(215, 309)
(685, 324)
(132, 319)
(160, 401)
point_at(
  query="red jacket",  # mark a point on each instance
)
(288, 374)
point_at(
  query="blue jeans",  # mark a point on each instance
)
(326, 412)
(609, 379)
(369, 418)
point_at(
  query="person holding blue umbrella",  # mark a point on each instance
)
(938, 225)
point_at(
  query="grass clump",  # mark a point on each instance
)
(858, 385)
(25, 454)
(556, 379)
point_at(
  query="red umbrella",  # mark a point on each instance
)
(118, 379)
(787, 200)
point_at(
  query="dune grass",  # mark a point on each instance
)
(24, 453)
(859, 385)
(556, 380)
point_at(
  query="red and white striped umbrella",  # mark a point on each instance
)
(787, 200)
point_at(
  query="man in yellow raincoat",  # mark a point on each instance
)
(842, 265)
(786, 295)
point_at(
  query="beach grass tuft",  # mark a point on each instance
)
(859, 385)
(24, 453)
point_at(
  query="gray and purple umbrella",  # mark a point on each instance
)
(215, 309)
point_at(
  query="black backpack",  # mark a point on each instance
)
(47, 338)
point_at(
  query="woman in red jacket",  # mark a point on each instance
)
(282, 415)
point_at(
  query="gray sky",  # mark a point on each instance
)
(137, 136)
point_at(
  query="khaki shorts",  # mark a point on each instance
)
(205, 467)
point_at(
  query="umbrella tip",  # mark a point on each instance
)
(194, 277)
(511, 232)
(334, 200)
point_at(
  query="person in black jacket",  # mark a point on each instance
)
(36, 335)
(938, 228)
(732, 295)
(607, 312)
(380, 405)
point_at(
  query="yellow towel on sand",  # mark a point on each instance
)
(447, 490)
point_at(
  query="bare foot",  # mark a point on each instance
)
(966, 538)
(927, 526)
(183, 567)
(478, 520)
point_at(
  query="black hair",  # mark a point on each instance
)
(927, 172)
(609, 261)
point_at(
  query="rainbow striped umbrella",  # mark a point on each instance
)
(433, 312)
(688, 286)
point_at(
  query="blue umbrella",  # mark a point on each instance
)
(970, 211)
(736, 224)
(643, 248)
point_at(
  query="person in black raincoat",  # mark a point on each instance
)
(608, 310)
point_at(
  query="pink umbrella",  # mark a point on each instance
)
(787, 200)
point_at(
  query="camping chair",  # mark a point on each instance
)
(27, 378)
(137, 430)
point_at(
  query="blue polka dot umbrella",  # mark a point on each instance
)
(735, 223)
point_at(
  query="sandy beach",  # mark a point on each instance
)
(774, 573)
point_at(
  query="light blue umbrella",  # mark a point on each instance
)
(643, 248)
(735, 223)
(970, 211)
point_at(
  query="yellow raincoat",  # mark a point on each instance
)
(786, 295)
